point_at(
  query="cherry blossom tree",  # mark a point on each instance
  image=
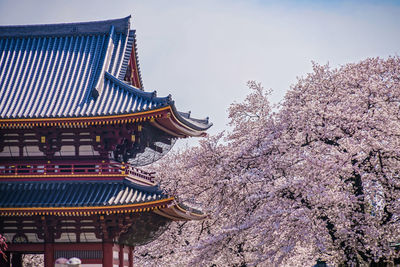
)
(315, 177)
(3, 247)
(340, 166)
(33, 260)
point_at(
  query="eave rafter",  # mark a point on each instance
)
(177, 213)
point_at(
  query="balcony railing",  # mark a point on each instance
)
(67, 168)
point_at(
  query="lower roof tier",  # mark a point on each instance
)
(80, 198)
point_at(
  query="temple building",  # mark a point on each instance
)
(75, 126)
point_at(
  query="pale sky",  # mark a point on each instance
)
(203, 52)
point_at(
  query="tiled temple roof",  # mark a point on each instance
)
(73, 70)
(68, 198)
(58, 194)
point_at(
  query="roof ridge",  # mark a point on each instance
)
(121, 25)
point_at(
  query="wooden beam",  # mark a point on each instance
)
(34, 248)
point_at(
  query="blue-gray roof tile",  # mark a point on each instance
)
(52, 70)
(73, 70)
(75, 193)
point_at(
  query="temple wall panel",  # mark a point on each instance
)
(87, 150)
(81, 254)
(66, 237)
(33, 238)
(10, 151)
(67, 151)
(115, 255)
(32, 151)
(89, 237)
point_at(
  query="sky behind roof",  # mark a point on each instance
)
(203, 52)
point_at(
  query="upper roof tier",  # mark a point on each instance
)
(78, 71)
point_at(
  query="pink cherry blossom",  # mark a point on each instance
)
(315, 177)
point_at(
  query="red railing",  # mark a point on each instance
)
(136, 172)
(68, 168)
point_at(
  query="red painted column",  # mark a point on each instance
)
(121, 255)
(107, 255)
(48, 255)
(130, 256)
(16, 259)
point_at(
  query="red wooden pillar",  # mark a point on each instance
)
(130, 256)
(16, 260)
(107, 255)
(49, 255)
(121, 255)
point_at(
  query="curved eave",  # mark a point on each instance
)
(195, 124)
(79, 121)
(177, 125)
(176, 212)
(165, 118)
(87, 211)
